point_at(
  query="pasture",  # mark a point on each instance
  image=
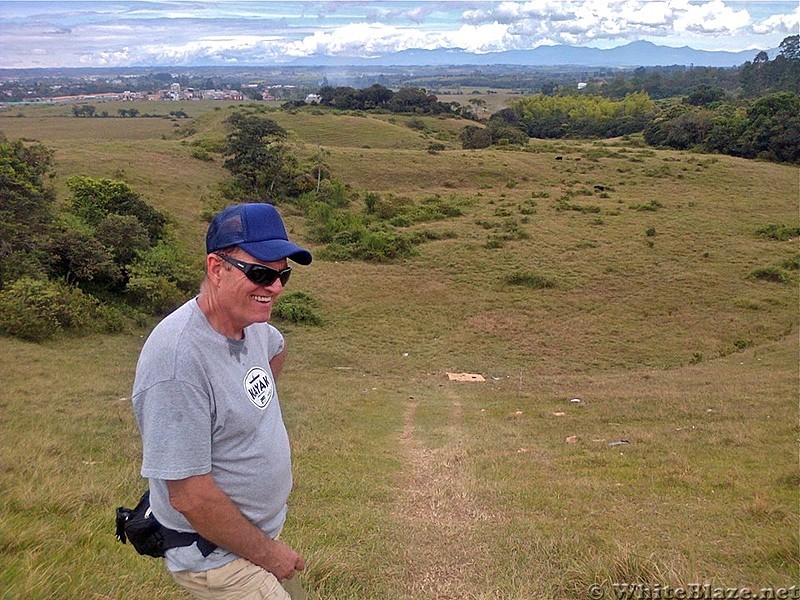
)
(620, 276)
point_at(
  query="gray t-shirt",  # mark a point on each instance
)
(208, 404)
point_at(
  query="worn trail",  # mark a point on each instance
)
(438, 512)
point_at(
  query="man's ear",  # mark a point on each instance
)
(214, 268)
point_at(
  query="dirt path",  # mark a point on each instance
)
(441, 553)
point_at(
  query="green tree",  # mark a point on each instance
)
(124, 236)
(26, 207)
(728, 125)
(161, 278)
(773, 128)
(256, 158)
(95, 199)
(85, 110)
(704, 94)
(473, 137)
(681, 127)
(790, 47)
(77, 257)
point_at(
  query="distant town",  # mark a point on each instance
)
(270, 84)
(175, 92)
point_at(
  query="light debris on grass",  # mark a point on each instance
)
(472, 377)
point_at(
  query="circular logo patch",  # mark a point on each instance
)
(259, 387)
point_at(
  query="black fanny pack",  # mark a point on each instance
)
(151, 538)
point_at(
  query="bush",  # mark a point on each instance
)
(773, 274)
(35, 309)
(333, 192)
(475, 138)
(779, 232)
(530, 280)
(792, 264)
(297, 307)
(390, 206)
(161, 279)
(154, 293)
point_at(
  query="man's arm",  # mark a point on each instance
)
(214, 515)
(276, 364)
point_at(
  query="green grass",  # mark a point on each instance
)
(412, 486)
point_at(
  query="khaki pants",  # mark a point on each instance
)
(238, 580)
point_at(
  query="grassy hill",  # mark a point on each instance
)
(631, 279)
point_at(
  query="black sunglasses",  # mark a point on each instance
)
(259, 273)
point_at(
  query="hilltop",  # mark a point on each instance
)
(638, 419)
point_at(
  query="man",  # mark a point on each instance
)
(215, 448)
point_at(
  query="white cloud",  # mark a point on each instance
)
(180, 31)
(788, 23)
(530, 23)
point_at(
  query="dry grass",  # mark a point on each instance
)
(411, 486)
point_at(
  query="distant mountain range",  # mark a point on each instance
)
(635, 54)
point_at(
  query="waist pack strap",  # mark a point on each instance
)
(150, 537)
(175, 539)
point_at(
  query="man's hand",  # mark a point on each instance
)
(214, 516)
(282, 561)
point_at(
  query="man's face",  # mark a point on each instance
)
(243, 301)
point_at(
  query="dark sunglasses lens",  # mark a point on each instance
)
(266, 276)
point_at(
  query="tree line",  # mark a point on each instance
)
(763, 121)
(378, 97)
(101, 260)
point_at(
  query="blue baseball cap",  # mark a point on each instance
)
(258, 230)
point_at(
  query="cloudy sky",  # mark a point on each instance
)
(105, 33)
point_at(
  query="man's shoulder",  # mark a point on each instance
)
(179, 321)
(170, 347)
(173, 332)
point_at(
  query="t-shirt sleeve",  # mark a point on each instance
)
(276, 344)
(175, 419)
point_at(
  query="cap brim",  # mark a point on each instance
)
(274, 250)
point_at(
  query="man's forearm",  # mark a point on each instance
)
(215, 517)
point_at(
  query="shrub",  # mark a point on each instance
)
(201, 154)
(371, 200)
(792, 264)
(474, 138)
(390, 206)
(779, 232)
(154, 293)
(36, 309)
(773, 274)
(297, 307)
(161, 279)
(530, 280)
(333, 192)
(652, 206)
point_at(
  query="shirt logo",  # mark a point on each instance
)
(259, 387)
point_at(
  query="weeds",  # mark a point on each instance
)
(298, 308)
(651, 206)
(530, 280)
(778, 231)
(771, 274)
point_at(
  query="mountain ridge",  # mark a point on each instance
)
(631, 55)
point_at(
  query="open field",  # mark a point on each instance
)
(410, 486)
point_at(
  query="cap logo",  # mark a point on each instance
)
(259, 387)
